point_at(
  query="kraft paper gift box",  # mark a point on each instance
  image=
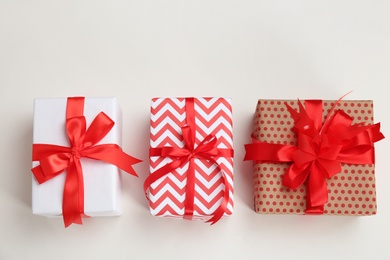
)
(95, 185)
(309, 163)
(191, 158)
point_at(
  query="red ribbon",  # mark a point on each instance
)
(55, 159)
(320, 151)
(206, 150)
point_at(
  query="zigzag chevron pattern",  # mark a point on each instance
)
(167, 195)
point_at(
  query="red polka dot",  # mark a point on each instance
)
(345, 187)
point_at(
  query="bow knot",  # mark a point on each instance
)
(206, 149)
(76, 152)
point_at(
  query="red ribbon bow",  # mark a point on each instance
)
(54, 159)
(320, 151)
(206, 150)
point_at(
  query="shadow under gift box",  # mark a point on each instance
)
(351, 192)
(167, 195)
(102, 181)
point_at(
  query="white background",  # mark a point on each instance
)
(136, 50)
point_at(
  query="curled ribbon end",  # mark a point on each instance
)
(132, 172)
(135, 161)
(211, 221)
(38, 174)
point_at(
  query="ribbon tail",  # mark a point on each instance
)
(166, 169)
(218, 214)
(73, 198)
(40, 176)
(51, 166)
(113, 154)
(220, 211)
(375, 133)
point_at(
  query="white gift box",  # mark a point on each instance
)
(102, 181)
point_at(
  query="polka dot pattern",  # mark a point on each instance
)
(351, 192)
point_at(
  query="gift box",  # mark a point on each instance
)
(76, 158)
(191, 158)
(314, 157)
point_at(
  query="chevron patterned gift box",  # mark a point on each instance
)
(191, 158)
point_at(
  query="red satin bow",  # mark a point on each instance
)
(320, 151)
(206, 150)
(54, 159)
